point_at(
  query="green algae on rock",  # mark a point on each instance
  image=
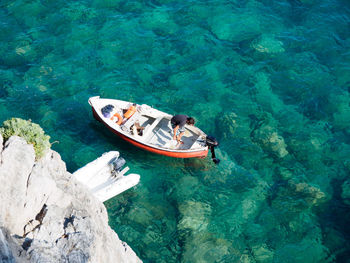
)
(31, 132)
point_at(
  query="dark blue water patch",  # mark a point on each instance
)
(3, 92)
(314, 107)
(336, 213)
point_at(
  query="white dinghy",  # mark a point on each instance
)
(105, 176)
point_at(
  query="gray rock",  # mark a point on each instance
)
(5, 252)
(17, 162)
(48, 215)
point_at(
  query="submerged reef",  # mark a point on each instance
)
(267, 44)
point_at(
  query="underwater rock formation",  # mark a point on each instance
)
(194, 215)
(228, 124)
(297, 196)
(47, 216)
(270, 141)
(267, 44)
(236, 28)
(311, 194)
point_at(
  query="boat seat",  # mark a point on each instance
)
(148, 133)
(126, 126)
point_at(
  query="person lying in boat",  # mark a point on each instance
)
(178, 124)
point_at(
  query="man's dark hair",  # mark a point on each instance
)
(190, 120)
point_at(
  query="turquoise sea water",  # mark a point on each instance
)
(269, 79)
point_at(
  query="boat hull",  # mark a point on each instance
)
(189, 154)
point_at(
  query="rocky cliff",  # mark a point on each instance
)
(47, 216)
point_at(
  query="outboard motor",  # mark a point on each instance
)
(211, 142)
(116, 165)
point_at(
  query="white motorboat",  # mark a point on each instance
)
(150, 129)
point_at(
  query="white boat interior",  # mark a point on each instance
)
(147, 125)
(105, 177)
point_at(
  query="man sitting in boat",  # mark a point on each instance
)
(178, 124)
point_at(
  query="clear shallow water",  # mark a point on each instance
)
(269, 79)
